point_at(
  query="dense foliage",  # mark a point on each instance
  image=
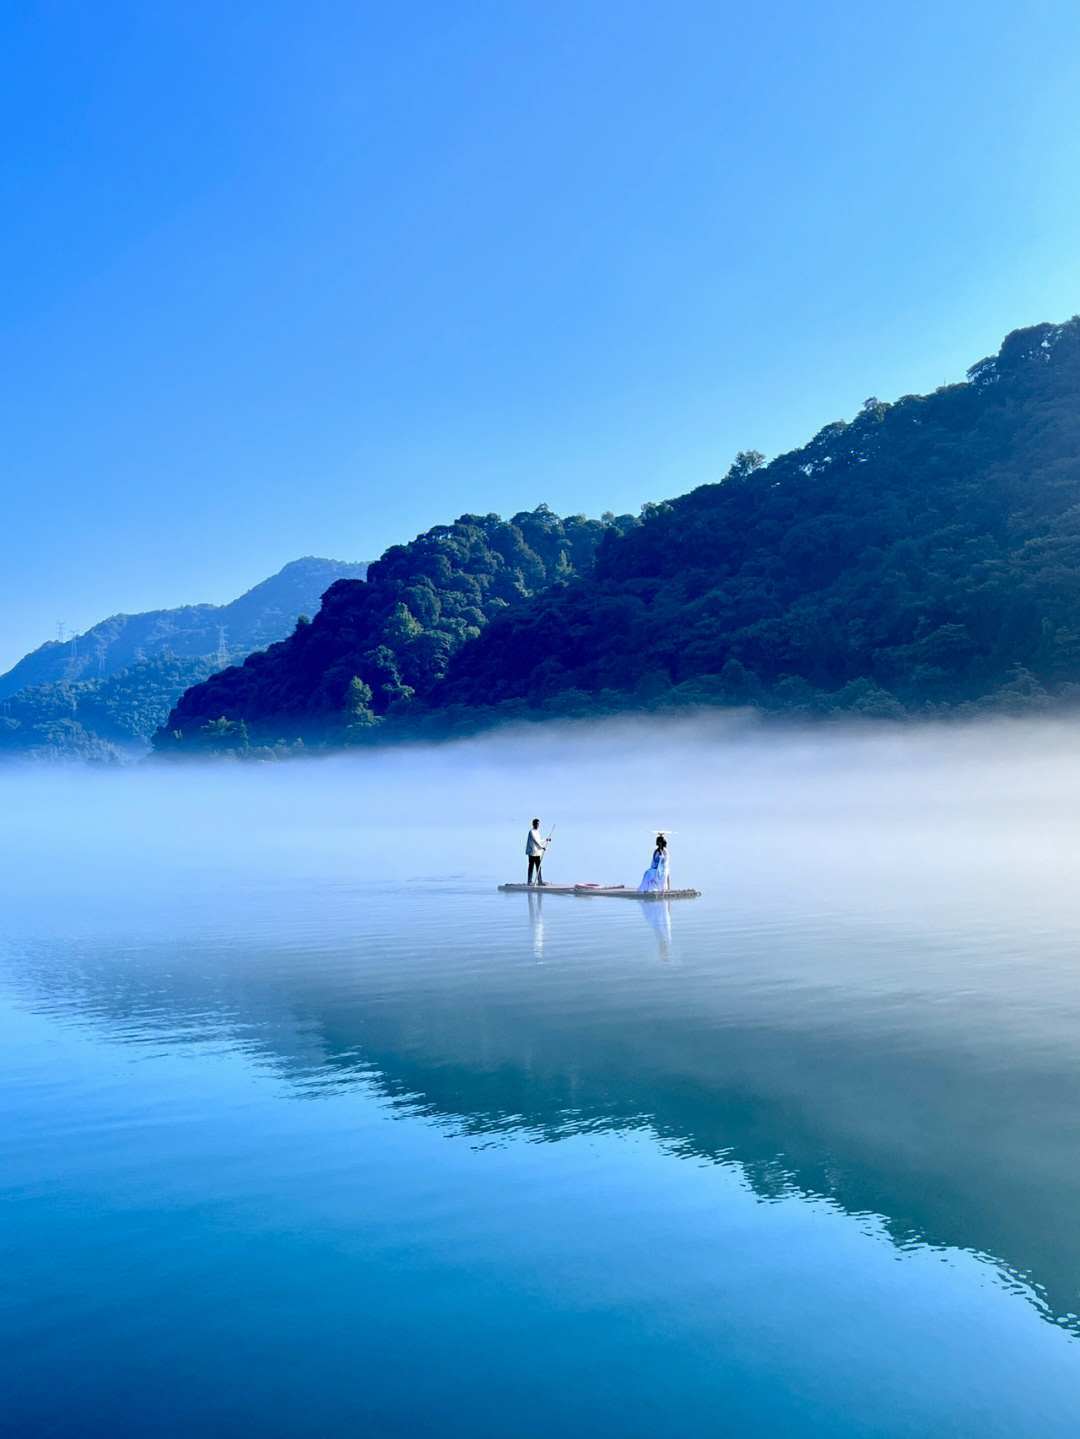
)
(925, 555)
(377, 644)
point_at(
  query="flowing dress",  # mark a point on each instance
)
(656, 876)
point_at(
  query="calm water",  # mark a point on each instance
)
(308, 1130)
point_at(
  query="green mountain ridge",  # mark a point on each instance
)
(924, 558)
(373, 647)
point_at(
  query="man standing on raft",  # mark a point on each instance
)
(534, 849)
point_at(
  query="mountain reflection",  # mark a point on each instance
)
(956, 1129)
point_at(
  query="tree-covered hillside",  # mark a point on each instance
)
(927, 554)
(375, 645)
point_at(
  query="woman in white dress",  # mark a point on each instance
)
(656, 876)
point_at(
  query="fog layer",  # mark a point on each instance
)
(962, 823)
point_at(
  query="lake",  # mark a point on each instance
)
(308, 1130)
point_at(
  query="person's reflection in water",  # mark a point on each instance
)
(536, 918)
(657, 913)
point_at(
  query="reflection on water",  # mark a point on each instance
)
(536, 919)
(839, 1063)
(884, 1031)
(657, 914)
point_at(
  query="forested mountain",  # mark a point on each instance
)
(925, 555)
(114, 686)
(374, 646)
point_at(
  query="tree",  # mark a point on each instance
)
(358, 711)
(223, 734)
(745, 463)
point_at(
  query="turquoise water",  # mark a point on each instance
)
(307, 1130)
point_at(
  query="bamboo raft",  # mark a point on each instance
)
(613, 891)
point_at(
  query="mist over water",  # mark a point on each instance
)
(730, 783)
(941, 826)
(811, 1142)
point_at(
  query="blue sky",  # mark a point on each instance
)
(287, 279)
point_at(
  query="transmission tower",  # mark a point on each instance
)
(222, 649)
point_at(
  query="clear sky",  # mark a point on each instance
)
(306, 278)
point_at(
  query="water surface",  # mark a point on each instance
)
(308, 1130)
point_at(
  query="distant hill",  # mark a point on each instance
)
(374, 647)
(115, 684)
(260, 616)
